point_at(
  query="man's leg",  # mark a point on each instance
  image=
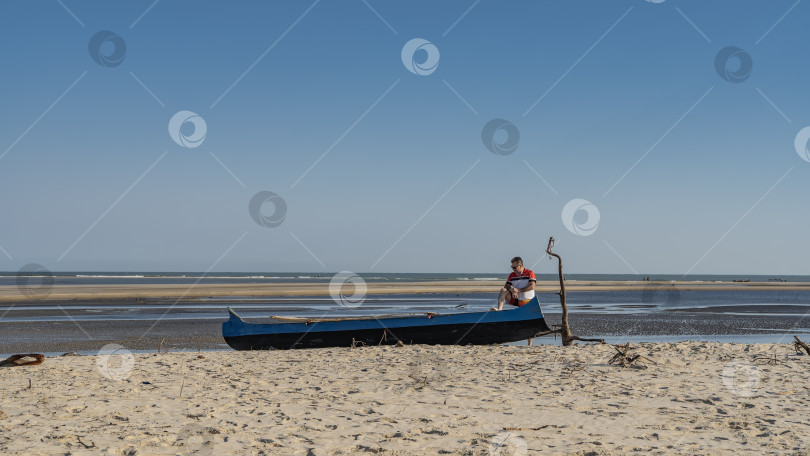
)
(502, 297)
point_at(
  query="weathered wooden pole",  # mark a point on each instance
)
(565, 328)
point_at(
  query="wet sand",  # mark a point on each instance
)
(151, 332)
(205, 334)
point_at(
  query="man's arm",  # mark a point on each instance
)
(532, 281)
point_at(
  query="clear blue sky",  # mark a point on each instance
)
(689, 172)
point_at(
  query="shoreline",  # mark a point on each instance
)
(11, 293)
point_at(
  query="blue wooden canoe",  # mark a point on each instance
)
(475, 328)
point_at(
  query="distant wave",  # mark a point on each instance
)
(183, 276)
(22, 275)
(110, 276)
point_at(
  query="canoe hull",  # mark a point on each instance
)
(481, 328)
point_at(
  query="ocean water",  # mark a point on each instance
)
(135, 277)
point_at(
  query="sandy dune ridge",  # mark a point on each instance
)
(9, 293)
(698, 398)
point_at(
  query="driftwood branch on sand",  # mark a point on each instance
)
(798, 345)
(624, 358)
(29, 359)
(564, 329)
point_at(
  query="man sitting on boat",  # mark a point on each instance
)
(519, 287)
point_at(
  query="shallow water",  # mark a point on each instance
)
(786, 303)
(758, 316)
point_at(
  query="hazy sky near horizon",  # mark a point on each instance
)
(646, 137)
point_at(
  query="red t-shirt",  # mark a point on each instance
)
(522, 280)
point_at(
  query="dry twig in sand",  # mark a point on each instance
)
(538, 428)
(569, 370)
(772, 360)
(625, 359)
(91, 445)
(357, 343)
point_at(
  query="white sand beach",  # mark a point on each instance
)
(693, 398)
